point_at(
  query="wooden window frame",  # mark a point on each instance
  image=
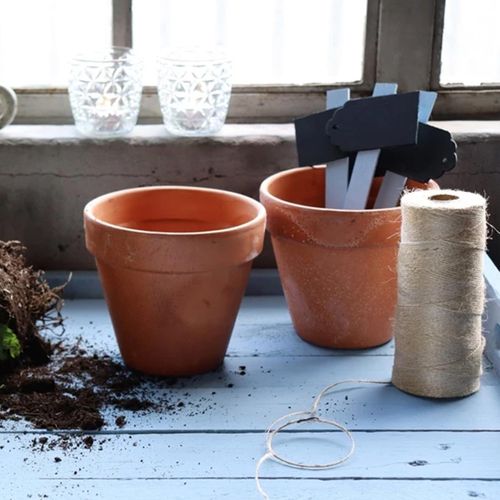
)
(392, 53)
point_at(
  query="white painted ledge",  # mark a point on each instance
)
(463, 131)
(468, 130)
(144, 135)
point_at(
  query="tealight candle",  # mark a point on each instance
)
(105, 92)
(194, 87)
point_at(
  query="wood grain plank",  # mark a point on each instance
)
(273, 386)
(401, 455)
(280, 382)
(263, 328)
(279, 489)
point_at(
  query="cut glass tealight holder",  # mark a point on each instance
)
(194, 87)
(105, 91)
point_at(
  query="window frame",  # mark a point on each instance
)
(387, 46)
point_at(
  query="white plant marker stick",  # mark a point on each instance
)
(393, 184)
(365, 163)
(336, 172)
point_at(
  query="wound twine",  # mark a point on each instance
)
(438, 319)
(440, 294)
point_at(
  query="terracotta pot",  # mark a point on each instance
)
(337, 267)
(174, 263)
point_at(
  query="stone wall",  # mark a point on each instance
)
(48, 173)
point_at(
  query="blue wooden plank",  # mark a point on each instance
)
(271, 387)
(86, 285)
(401, 455)
(263, 328)
(170, 454)
(279, 489)
(226, 400)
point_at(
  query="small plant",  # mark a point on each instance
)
(10, 347)
(27, 305)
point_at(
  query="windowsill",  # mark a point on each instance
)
(142, 134)
(49, 172)
(462, 130)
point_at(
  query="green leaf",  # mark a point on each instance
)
(9, 343)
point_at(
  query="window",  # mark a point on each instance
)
(471, 43)
(270, 41)
(38, 37)
(286, 53)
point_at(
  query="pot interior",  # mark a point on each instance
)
(306, 186)
(177, 210)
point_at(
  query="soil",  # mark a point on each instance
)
(70, 391)
(63, 386)
(27, 304)
(53, 386)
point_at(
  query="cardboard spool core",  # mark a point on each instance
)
(443, 197)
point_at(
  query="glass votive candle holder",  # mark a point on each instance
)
(105, 91)
(194, 87)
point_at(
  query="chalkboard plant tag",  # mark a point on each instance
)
(393, 184)
(421, 163)
(313, 143)
(333, 134)
(410, 148)
(365, 163)
(375, 123)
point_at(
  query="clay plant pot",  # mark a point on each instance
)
(337, 267)
(174, 263)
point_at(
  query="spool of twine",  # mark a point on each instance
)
(440, 294)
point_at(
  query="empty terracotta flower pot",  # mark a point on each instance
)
(174, 263)
(337, 267)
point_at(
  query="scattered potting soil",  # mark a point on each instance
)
(61, 384)
(70, 391)
(51, 385)
(67, 442)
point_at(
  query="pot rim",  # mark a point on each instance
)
(264, 189)
(259, 218)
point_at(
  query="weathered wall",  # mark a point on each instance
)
(47, 174)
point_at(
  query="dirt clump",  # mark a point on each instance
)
(27, 305)
(70, 392)
(49, 384)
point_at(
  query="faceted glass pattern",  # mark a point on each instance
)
(194, 89)
(105, 92)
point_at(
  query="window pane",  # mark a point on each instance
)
(471, 42)
(270, 41)
(38, 37)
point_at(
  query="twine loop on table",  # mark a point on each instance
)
(302, 417)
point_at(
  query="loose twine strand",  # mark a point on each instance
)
(302, 417)
(438, 318)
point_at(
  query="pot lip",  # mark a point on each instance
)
(258, 219)
(264, 190)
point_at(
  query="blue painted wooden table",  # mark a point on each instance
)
(407, 447)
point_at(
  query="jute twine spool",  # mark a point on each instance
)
(440, 294)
